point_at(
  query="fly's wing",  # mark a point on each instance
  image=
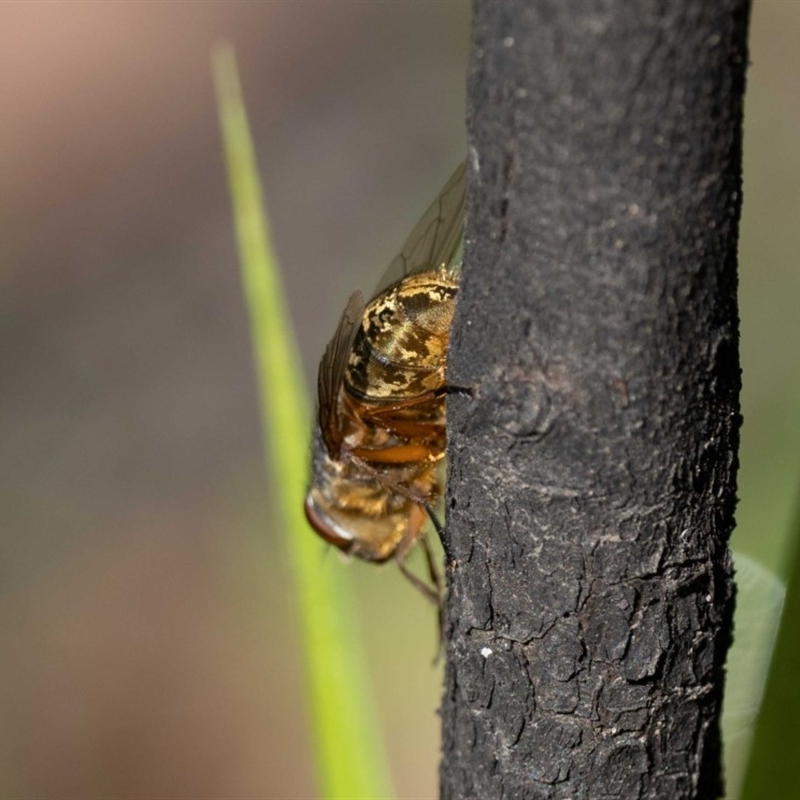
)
(436, 240)
(331, 370)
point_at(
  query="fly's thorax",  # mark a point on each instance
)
(400, 349)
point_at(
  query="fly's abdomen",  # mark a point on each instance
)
(400, 350)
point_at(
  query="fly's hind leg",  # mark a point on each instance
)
(433, 572)
(433, 591)
(436, 580)
(414, 532)
(425, 589)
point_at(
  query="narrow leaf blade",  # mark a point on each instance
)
(348, 752)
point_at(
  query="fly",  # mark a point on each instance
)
(379, 442)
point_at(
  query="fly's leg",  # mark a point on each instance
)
(437, 525)
(414, 531)
(427, 591)
(450, 388)
(433, 572)
(433, 590)
(436, 580)
(403, 491)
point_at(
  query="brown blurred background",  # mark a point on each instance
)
(147, 635)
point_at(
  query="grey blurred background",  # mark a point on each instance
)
(148, 645)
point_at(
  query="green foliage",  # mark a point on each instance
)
(774, 768)
(759, 599)
(347, 745)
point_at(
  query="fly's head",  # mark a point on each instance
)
(351, 507)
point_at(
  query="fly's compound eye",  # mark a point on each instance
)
(325, 526)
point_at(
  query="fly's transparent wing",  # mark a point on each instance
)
(331, 370)
(436, 241)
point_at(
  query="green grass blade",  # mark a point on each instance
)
(773, 770)
(347, 743)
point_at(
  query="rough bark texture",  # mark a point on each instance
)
(592, 477)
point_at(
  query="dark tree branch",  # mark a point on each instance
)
(592, 477)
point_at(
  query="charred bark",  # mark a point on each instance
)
(592, 476)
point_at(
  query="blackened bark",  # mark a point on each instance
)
(591, 484)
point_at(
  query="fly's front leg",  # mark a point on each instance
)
(438, 527)
(449, 388)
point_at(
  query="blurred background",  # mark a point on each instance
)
(148, 645)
